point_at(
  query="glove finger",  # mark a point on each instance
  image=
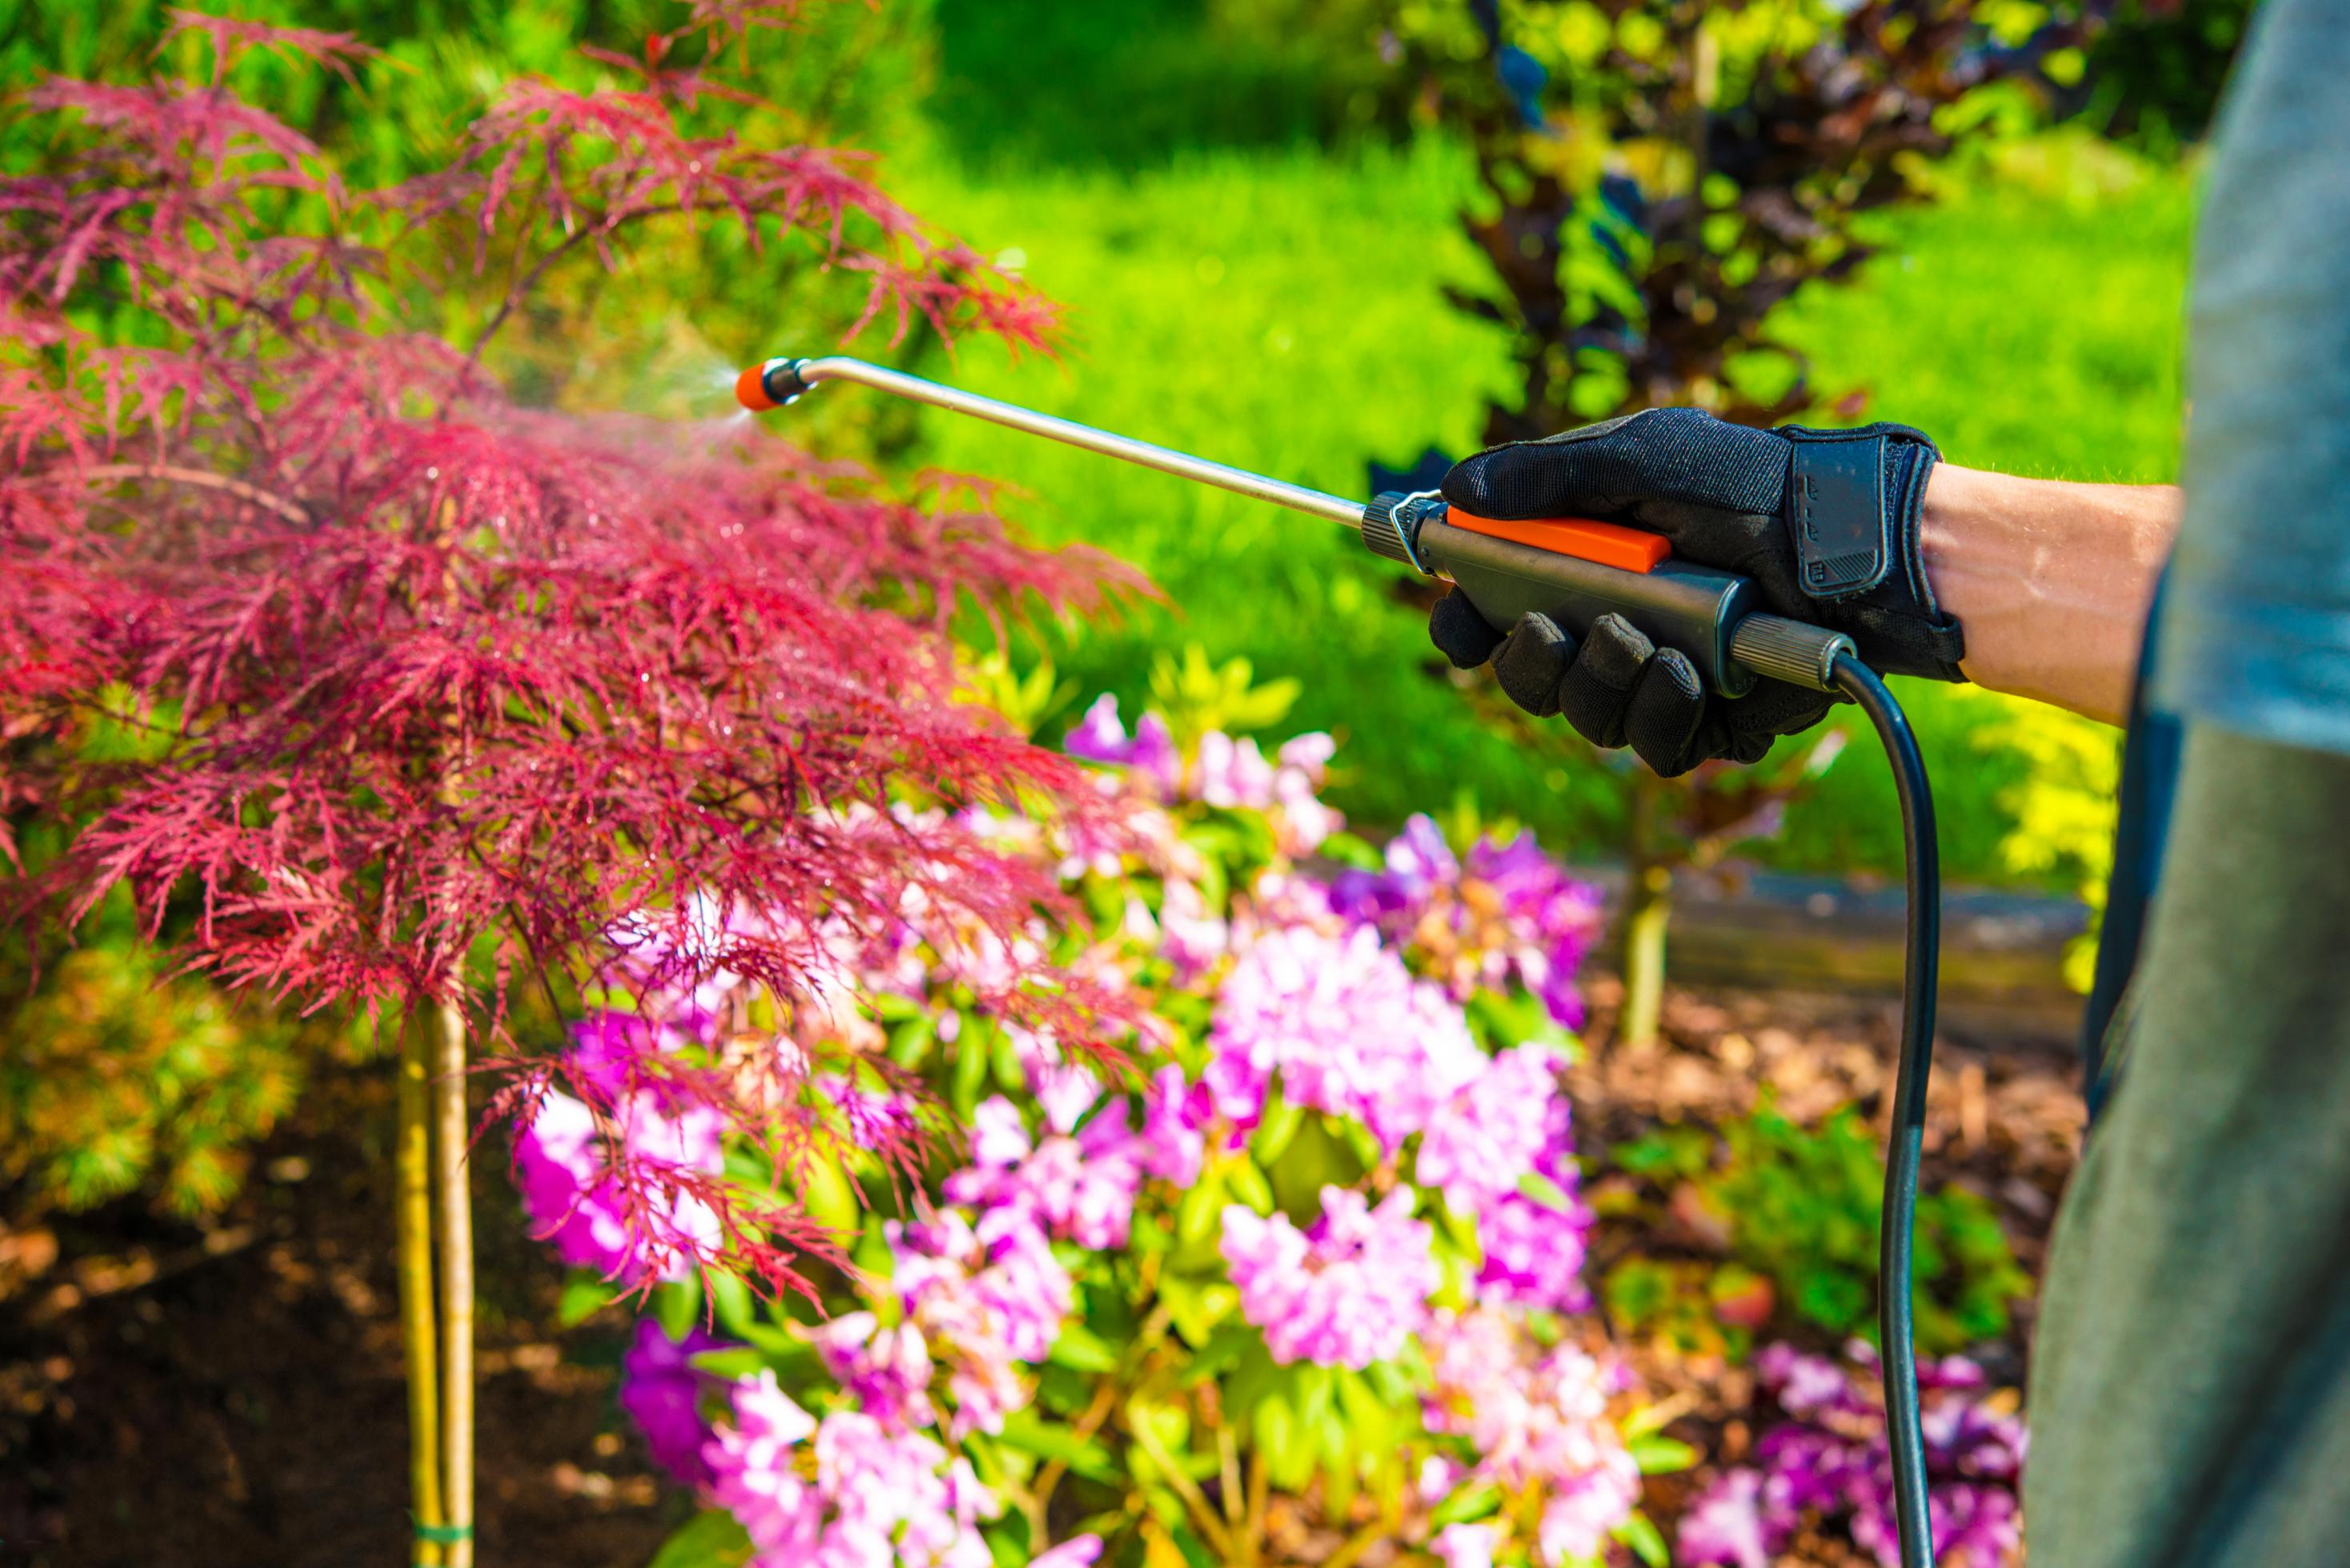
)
(1599, 685)
(1530, 662)
(1743, 729)
(1460, 633)
(1607, 469)
(1662, 719)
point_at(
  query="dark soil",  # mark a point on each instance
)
(230, 1394)
(177, 1397)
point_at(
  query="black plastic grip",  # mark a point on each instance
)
(1677, 605)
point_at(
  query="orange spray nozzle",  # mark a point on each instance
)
(751, 391)
(769, 385)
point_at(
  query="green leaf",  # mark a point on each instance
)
(1010, 1075)
(1280, 1123)
(1030, 1434)
(1647, 1543)
(1467, 1505)
(677, 1305)
(1007, 1542)
(1223, 1348)
(730, 1303)
(1080, 1349)
(1248, 1184)
(1658, 1455)
(712, 1538)
(584, 1294)
(1201, 1213)
(1352, 850)
(970, 1068)
(1197, 1305)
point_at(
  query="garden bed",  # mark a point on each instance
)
(231, 1395)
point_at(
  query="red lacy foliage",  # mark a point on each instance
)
(430, 675)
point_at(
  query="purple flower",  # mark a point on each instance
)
(1150, 754)
(1552, 918)
(1510, 914)
(1346, 1029)
(662, 1393)
(1419, 861)
(1829, 1461)
(1724, 1528)
(1101, 736)
(1346, 1292)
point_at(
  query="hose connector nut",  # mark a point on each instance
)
(771, 385)
(1391, 524)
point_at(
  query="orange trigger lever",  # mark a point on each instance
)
(1603, 543)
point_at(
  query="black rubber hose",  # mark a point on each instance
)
(1912, 1068)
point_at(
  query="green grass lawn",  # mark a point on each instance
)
(1282, 312)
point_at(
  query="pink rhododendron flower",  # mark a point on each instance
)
(990, 1298)
(877, 1496)
(1077, 1551)
(1485, 1141)
(1175, 1112)
(886, 1370)
(1232, 775)
(1465, 1545)
(1538, 1421)
(1346, 1291)
(1081, 1188)
(1346, 1029)
(1724, 1526)
(752, 1462)
(564, 1168)
(1534, 1241)
(1191, 937)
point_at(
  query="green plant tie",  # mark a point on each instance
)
(444, 1534)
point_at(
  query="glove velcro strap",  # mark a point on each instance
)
(1902, 642)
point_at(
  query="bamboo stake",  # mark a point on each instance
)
(1647, 912)
(453, 1128)
(413, 1212)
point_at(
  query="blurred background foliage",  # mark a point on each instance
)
(1253, 210)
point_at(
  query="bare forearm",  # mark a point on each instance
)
(2050, 580)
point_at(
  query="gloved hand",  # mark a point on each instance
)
(1826, 522)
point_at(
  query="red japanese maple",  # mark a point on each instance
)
(444, 686)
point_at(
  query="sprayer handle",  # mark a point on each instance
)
(1568, 570)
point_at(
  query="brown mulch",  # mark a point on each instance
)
(2005, 1120)
(230, 1394)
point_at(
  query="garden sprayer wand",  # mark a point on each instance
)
(1575, 571)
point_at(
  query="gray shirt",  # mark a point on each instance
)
(2256, 629)
(2190, 1379)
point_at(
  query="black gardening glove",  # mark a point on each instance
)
(1729, 496)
